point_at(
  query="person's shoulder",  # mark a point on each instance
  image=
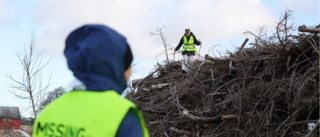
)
(128, 103)
(130, 125)
(55, 103)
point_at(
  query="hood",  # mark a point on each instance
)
(96, 56)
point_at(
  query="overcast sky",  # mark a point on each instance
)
(214, 22)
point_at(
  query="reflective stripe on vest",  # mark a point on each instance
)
(85, 114)
(188, 45)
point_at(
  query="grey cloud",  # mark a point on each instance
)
(130, 19)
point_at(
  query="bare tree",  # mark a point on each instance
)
(283, 28)
(30, 86)
(164, 41)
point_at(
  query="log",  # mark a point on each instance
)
(303, 28)
(207, 57)
(160, 86)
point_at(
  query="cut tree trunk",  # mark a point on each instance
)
(311, 30)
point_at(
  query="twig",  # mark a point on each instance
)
(180, 131)
(295, 112)
(301, 122)
(145, 78)
(243, 44)
(218, 93)
(209, 119)
(199, 68)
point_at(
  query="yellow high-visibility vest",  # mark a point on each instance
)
(85, 114)
(189, 45)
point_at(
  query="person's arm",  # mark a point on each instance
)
(130, 125)
(196, 40)
(179, 45)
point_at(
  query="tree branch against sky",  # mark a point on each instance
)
(30, 86)
(166, 46)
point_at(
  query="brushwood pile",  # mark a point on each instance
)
(269, 89)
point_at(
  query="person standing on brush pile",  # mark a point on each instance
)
(189, 49)
(100, 58)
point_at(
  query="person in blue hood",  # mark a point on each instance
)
(100, 58)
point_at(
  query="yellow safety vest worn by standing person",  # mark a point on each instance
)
(53, 123)
(100, 59)
(188, 45)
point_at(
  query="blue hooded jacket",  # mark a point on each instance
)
(96, 56)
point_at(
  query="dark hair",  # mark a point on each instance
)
(128, 58)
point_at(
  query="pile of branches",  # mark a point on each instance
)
(270, 89)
